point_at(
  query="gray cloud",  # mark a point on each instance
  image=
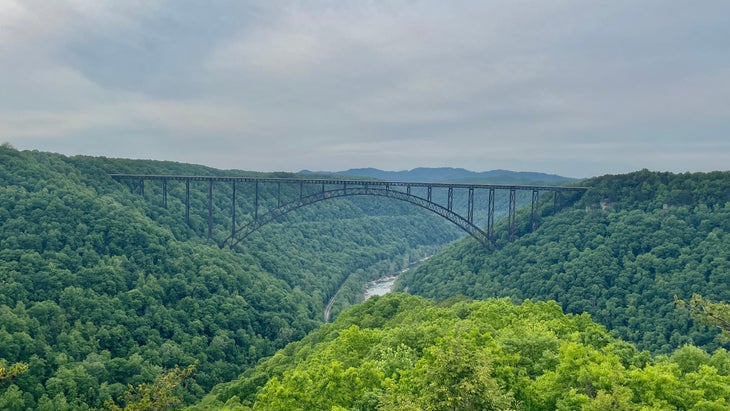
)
(573, 87)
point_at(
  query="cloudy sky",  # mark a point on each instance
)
(573, 87)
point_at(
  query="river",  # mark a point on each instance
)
(380, 286)
(384, 285)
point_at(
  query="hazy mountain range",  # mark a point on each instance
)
(449, 174)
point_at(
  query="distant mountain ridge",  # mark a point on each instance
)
(450, 174)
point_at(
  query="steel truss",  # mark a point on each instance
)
(348, 188)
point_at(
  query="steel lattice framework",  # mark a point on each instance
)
(331, 189)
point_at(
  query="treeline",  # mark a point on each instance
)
(101, 287)
(401, 352)
(627, 248)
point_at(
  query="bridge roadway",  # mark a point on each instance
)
(335, 188)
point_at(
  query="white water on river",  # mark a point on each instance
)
(380, 286)
(384, 285)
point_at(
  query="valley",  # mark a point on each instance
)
(103, 288)
(364, 205)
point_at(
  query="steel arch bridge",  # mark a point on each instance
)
(418, 193)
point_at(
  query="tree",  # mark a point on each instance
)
(713, 314)
(13, 371)
(455, 374)
(162, 394)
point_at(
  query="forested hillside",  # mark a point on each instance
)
(622, 254)
(101, 287)
(401, 352)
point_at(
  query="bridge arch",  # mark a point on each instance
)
(273, 214)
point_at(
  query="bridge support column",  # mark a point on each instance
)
(141, 187)
(535, 197)
(256, 203)
(210, 208)
(450, 199)
(490, 215)
(164, 193)
(233, 209)
(278, 194)
(187, 201)
(512, 212)
(470, 211)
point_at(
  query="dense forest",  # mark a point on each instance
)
(101, 287)
(401, 352)
(109, 299)
(628, 247)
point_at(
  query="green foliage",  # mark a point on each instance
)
(486, 355)
(160, 395)
(629, 246)
(11, 372)
(101, 288)
(710, 313)
(646, 190)
(453, 374)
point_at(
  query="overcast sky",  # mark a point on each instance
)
(576, 87)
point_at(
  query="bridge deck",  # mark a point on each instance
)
(381, 183)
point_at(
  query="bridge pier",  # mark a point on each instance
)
(210, 208)
(256, 203)
(490, 215)
(470, 206)
(233, 208)
(187, 202)
(164, 193)
(535, 197)
(278, 194)
(512, 212)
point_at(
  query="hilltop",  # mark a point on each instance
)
(401, 352)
